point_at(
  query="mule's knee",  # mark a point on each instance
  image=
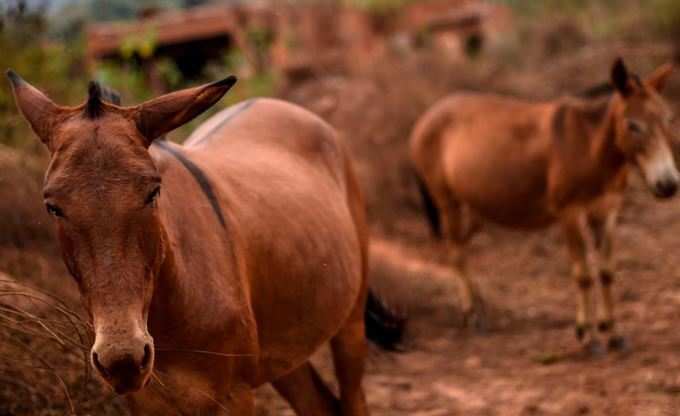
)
(606, 278)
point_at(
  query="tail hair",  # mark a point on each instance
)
(431, 211)
(384, 327)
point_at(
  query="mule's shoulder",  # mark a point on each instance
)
(577, 115)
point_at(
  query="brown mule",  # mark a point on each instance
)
(529, 165)
(211, 268)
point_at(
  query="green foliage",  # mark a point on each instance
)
(533, 8)
(379, 7)
(142, 45)
(54, 67)
(105, 10)
(665, 16)
(261, 38)
(128, 79)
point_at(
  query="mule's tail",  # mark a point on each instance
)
(384, 327)
(430, 208)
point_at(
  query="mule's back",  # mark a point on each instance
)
(490, 152)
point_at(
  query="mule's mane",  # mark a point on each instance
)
(96, 95)
(590, 110)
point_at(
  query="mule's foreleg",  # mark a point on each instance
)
(306, 392)
(603, 230)
(580, 245)
(240, 401)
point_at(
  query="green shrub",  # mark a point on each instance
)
(664, 16)
(54, 67)
(379, 7)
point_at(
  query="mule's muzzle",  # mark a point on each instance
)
(126, 370)
(665, 188)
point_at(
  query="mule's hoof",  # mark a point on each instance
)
(476, 318)
(618, 343)
(605, 326)
(476, 321)
(594, 348)
(581, 332)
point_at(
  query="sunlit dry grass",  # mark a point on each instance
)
(45, 347)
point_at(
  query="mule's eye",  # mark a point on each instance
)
(54, 210)
(151, 198)
(636, 127)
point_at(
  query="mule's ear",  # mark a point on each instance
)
(161, 115)
(621, 79)
(658, 78)
(40, 112)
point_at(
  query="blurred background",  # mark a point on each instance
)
(370, 68)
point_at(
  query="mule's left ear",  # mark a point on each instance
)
(621, 78)
(658, 78)
(40, 112)
(161, 115)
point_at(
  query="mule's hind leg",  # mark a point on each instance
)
(306, 392)
(456, 232)
(602, 226)
(349, 356)
(579, 242)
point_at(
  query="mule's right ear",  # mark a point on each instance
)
(621, 79)
(40, 112)
(159, 116)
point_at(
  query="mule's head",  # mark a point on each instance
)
(102, 189)
(643, 127)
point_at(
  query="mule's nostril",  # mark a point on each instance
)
(98, 365)
(147, 357)
(666, 188)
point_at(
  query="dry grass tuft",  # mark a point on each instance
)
(45, 345)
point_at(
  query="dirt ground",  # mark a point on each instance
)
(528, 362)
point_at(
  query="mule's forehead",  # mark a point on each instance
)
(649, 106)
(656, 105)
(99, 154)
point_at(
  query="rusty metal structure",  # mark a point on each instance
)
(297, 40)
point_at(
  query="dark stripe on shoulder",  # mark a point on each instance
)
(233, 113)
(198, 174)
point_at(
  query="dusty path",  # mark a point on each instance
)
(529, 363)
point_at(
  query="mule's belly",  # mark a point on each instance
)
(304, 263)
(308, 300)
(501, 180)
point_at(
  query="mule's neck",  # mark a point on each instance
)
(588, 163)
(191, 302)
(604, 150)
